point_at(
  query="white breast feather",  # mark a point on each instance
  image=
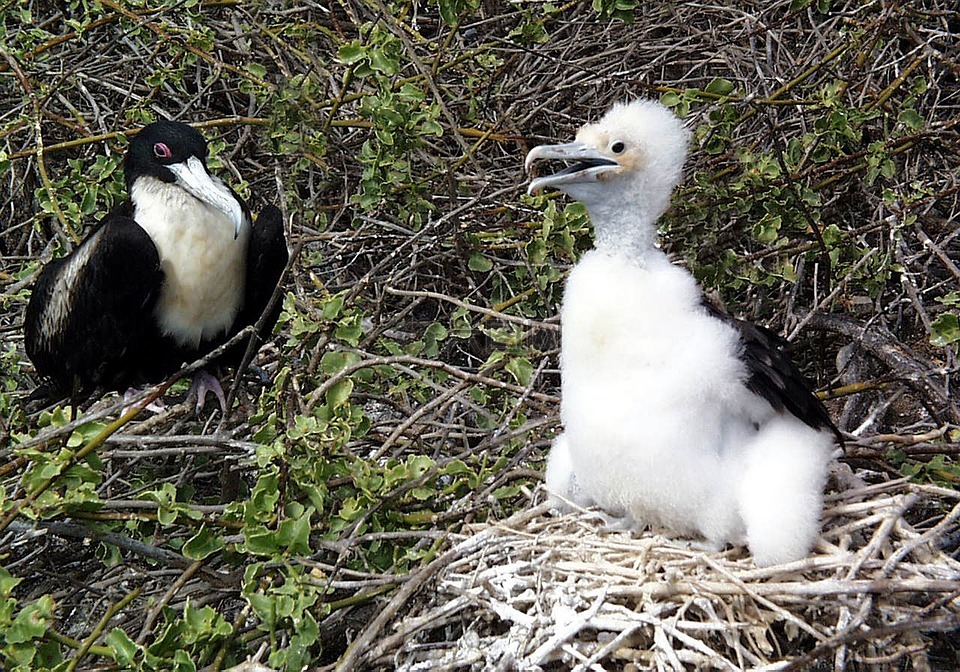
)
(204, 265)
(646, 377)
(659, 425)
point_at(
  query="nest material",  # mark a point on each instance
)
(543, 592)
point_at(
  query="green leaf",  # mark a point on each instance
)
(332, 307)
(951, 299)
(85, 433)
(261, 541)
(351, 53)
(720, 87)
(339, 393)
(264, 497)
(449, 11)
(495, 357)
(432, 336)
(294, 533)
(89, 201)
(383, 62)
(335, 361)
(460, 323)
(166, 515)
(521, 369)
(946, 329)
(430, 127)
(31, 622)
(182, 662)
(506, 491)
(419, 465)
(767, 229)
(422, 494)
(7, 582)
(203, 544)
(350, 333)
(262, 606)
(455, 467)
(124, 648)
(435, 331)
(204, 623)
(478, 262)
(912, 119)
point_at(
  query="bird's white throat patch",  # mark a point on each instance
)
(204, 265)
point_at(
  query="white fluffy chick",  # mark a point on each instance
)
(675, 415)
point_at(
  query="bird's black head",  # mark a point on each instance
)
(175, 156)
(159, 145)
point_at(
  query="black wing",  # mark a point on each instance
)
(91, 312)
(266, 258)
(774, 376)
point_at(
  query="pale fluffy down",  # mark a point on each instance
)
(660, 426)
(780, 492)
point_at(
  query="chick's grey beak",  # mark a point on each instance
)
(587, 163)
(192, 175)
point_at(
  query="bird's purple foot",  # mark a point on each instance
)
(203, 384)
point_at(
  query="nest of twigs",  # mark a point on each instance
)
(537, 591)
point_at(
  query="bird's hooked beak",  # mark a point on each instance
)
(192, 175)
(587, 164)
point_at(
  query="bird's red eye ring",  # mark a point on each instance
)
(161, 151)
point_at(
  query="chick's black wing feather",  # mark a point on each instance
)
(774, 376)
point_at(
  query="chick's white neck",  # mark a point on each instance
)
(628, 231)
(624, 209)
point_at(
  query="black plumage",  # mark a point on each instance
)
(774, 376)
(98, 340)
(177, 271)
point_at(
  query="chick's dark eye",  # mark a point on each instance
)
(617, 147)
(161, 151)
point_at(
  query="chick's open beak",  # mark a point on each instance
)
(587, 163)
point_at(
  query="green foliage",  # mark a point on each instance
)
(778, 195)
(452, 10)
(616, 9)
(22, 627)
(76, 481)
(939, 469)
(401, 115)
(388, 415)
(533, 288)
(946, 327)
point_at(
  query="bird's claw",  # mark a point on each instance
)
(203, 384)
